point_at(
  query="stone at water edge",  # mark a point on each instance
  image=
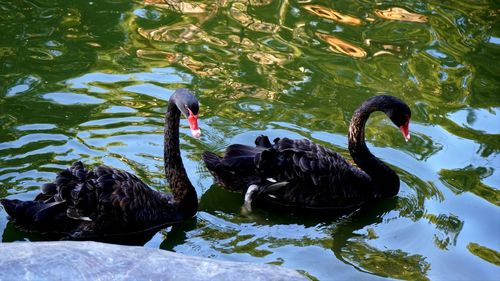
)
(98, 261)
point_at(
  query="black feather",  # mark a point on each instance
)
(212, 160)
(240, 156)
(263, 141)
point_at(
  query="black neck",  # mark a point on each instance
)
(182, 189)
(386, 181)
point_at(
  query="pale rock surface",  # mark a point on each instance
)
(70, 260)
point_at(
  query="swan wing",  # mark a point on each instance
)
(315, 176)
(107, 199)
(95, 199)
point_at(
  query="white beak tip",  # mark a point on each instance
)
(407, 137)
(196, 133)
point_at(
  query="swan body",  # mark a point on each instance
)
(83, 203)
(301, 174)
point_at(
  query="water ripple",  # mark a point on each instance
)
(72, 98)
(90, 81)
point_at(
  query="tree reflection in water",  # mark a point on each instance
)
(297, 68)
(354, 249)
(469, 179)
(230, 232)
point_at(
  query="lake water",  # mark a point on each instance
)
(90, 81)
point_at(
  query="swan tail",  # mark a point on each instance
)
(239, 156)
(223, 176)
(236, 170)
(263, 141)
(11, 207)
(48, 211)
(33, 212)
(212, 160)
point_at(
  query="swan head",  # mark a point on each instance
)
(189, 106)
(400, 115)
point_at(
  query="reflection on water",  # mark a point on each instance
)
(485, 253)
(341, 46)
(179, 6)
(483, 120)
(238, 12)
(469, 179)
(332, 14)
(90, 81)
(388, 263)
(400, 14)
(448, 228)
(354, 248)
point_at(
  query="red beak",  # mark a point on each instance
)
(193, 124)
(405, 129)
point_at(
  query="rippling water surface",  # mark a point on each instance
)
(90, 81)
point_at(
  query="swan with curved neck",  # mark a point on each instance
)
(84, 203)
(303, 175)
(385, 178)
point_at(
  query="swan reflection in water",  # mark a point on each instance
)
(348, 236)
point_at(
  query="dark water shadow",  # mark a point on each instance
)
(354, 249)
(13, 233)
(178, 234)
(348, 244)
(175, 234)
(217, 200)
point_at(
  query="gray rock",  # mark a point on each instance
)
(70, 260)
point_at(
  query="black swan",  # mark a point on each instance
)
(300, 174)
(104, 201)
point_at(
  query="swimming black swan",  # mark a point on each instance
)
(303, 175)
(104, 201)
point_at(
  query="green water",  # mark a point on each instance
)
(90, 80)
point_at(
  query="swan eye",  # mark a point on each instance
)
(190, 112)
